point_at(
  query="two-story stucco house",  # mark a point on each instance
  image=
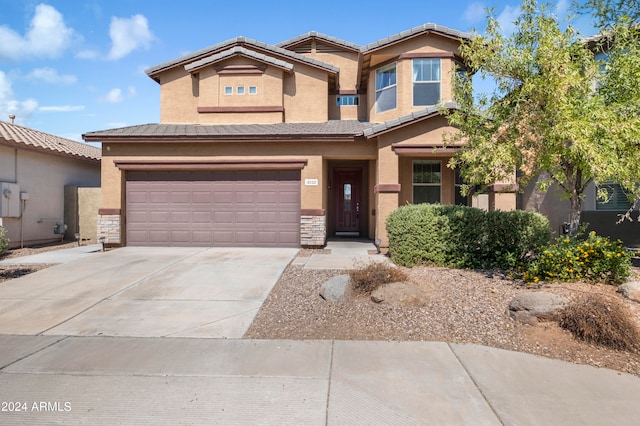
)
(287, 144)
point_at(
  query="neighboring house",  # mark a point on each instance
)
(287, 144)
(35, 167)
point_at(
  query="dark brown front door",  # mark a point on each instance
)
(347, 194)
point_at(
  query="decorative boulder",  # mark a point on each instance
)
(631, 291)
(399, 294)
(334, 290)
(531, 307)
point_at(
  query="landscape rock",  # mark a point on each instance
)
(631, 291)
(400, 294)
(335, 289)
(532, 307)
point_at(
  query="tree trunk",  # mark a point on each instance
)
(574, 213)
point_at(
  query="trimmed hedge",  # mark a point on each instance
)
(463, 237)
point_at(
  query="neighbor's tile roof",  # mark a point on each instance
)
(237, 50)
(204, 131)
(413, 31)
(244, 41)
(25, 138)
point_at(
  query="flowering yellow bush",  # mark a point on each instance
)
(596, 259)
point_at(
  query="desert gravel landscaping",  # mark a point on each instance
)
(459, 306)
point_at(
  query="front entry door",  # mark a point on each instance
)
(347, 200)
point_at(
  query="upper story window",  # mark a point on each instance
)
(386, 96)
(348, 100)
(253, 90)
(240, 90)
(426, 81)
(228, 90)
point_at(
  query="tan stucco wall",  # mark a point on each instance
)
(313, 152)
(306, 95)
(43, 177)
(303, 94)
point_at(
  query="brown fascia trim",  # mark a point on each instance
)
(241, 69)
(312, 212)
(207, 110)
(387, 188)
(268, 138)
(403, 149)
(223, 164)
(109, 212)
(503, 187)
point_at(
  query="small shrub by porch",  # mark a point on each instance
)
(464, 237)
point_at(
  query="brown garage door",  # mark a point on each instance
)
(213, 208)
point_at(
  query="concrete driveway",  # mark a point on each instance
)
(145, 292)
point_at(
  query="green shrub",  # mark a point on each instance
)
(596, 259)
(369, 277)
(463, 237)
(4, 242)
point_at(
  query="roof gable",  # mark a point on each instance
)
(413, 32)
(34, 140)
(326, 39)
(245, 42)
(237, 51)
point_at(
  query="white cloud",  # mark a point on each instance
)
(507, 18)
(8, 105)
(47, 36)
(50, 75)
(128, 34)
(114, 96)
(475, 12)
(62, 108)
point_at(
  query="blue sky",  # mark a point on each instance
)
(69, 66)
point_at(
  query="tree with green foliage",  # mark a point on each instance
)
(559, 110)
(609, 12)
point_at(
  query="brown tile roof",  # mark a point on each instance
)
(376, 129)
(240, 41)
(237, 50)
(314, 34)
(414, 31)
(34, 140)
(281, 131)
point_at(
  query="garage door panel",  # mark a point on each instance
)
(160, 217)
(223, 217)
(204, 197)
(158, 236)
(201, 217)
(209, 208)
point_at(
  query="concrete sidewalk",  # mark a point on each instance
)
(54, 256)
(110, 380)
(345, 254)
